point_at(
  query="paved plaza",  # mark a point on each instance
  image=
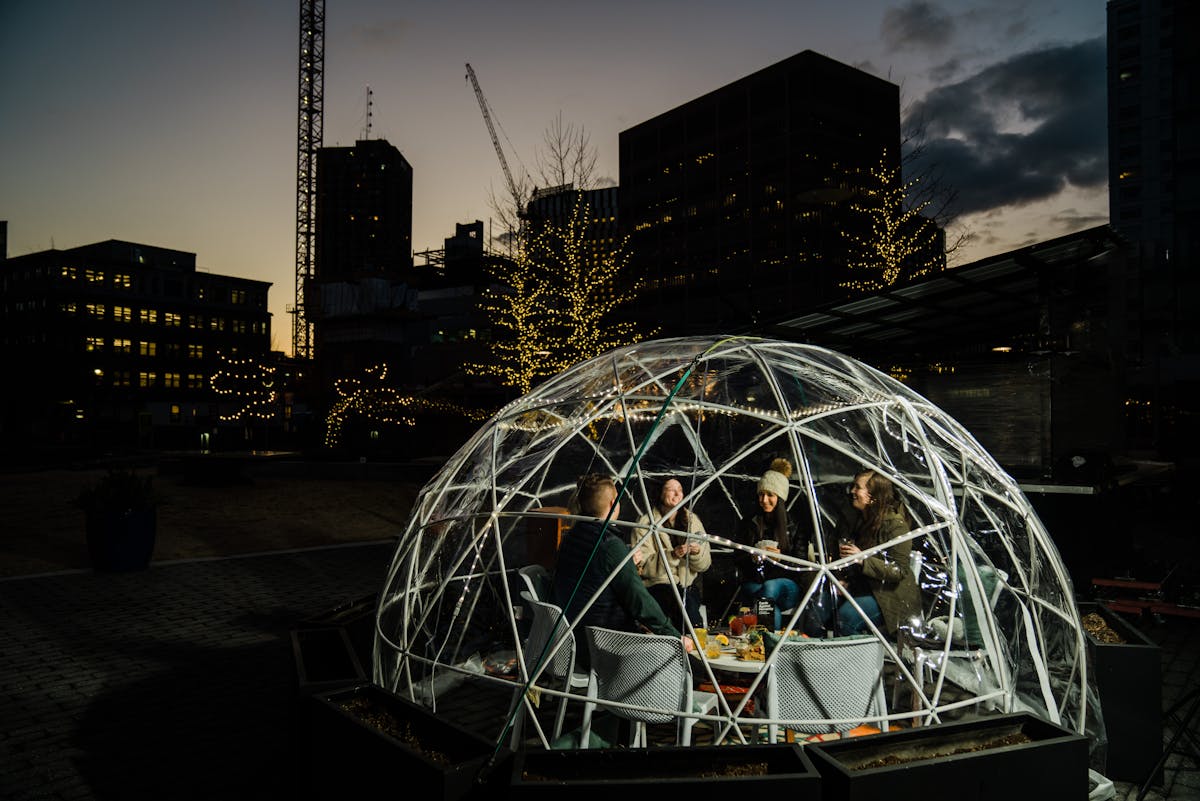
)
(178, 682)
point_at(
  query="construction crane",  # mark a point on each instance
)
(487, 118)
(308, 141)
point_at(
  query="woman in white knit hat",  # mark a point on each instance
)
(766, 528)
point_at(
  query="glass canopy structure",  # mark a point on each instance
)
(999, 629)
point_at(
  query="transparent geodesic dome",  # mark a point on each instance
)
(998, 629)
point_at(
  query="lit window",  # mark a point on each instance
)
(176, 413)
(237, 296)
(70, 273)
(195, 381)
(147, 379)
(195, 351)
(70, 307)
(147, 348)
(122, 280)
(94, 343)
(93, 276)
(148, 316)
(122, 314)
(122, 346)
(96, 310)
(171, 380)
(195, 321)
(172, 319)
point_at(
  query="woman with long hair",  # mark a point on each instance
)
(881, 583)
(670, 565)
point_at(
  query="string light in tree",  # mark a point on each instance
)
(901, 243)
(368, 397)
(249, 383)
(555, 302)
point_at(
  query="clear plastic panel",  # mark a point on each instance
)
(997, 627)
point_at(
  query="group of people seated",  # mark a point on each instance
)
(646, 591)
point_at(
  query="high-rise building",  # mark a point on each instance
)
(361, 299)
(737, 202)
(114, 344)
(1154, 201)
(364, 212)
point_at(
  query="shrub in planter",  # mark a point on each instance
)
(121, 511)
(747, 770)
(996, 757)
(364, 739)
(1128, 670)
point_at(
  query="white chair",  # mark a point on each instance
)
(546, 631)
(965, 661)
(650, 672)
(837, 679)
(535, 577)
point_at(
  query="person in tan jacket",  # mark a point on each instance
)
(672, 559)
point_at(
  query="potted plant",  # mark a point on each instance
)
(750, 771)
(991, 757)
(1128, 671)
(121, 512)
(364, 737)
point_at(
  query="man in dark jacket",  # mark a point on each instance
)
(582, 567)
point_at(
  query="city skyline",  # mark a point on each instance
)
(179, 129)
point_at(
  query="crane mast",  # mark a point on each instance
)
(308, 141)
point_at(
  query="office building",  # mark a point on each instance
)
(737, 203)
(361, 300)
(114, 344)
(1154, 200)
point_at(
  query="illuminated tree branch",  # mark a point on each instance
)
(250, 384)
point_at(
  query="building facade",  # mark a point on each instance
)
(1154, 200)
(361, 301)
(737, 203)
(114, 344)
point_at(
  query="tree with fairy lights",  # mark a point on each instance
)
(368, 397)
(554, 302)
(897, 241)
(251, 385)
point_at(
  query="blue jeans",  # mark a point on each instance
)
(781, 592)
(851, 622)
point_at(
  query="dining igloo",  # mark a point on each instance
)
(998, 629)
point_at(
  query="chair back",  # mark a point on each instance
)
(546, 626)
(827, 679)
(650, 671)
(536, 579)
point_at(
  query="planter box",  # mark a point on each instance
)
(365, 740)
(747, 771)
(1129, 680)
(912, 763)
(325, 660)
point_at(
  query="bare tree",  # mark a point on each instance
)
(566, 157)
(926, 185)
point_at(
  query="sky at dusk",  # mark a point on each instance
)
(174, 124)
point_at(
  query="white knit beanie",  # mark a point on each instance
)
(776, 478)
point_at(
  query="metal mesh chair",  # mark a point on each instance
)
(826, 686)
(650, 672)
(536, 578)
(560, 665)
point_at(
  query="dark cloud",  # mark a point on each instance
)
(916, 25)
(1021, 130)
